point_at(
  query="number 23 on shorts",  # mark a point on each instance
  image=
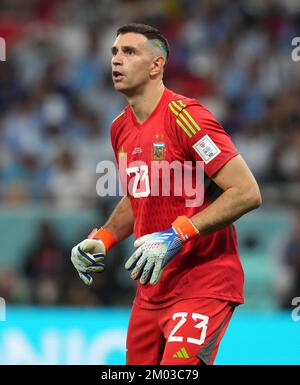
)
(200, 323)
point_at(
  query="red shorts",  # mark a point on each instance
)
(187, 333)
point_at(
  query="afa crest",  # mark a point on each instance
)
(159, 151)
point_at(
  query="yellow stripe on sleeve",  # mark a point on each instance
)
(187, 124)
(178, 121)
(184, 128)
(189, 116)
(186, 121)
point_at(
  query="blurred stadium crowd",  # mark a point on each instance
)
(57, 102)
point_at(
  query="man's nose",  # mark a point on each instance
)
(117, 60)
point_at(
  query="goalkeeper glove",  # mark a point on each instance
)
(156, 250)
(88, 256)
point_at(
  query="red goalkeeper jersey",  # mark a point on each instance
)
(179, 130)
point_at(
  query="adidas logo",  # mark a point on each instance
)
(182, 353)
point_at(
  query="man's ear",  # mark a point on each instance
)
(157, 65)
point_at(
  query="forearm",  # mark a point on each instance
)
(120, 222)
(226, 209)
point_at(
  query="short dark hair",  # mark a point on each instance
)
(149, 32)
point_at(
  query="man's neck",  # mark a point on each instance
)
(144, 103)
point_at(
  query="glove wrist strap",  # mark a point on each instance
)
(185, 228)
(105, 236)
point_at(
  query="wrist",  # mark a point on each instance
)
(185, 228)
(105, 236)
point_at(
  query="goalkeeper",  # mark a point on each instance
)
(186, 263)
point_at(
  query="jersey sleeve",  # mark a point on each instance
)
(113, 138)
(201, 137)
(115, 133)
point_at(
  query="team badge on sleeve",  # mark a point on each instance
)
(206, 149)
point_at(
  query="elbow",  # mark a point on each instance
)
(253, 198)
(256, 200)
(249, 197)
